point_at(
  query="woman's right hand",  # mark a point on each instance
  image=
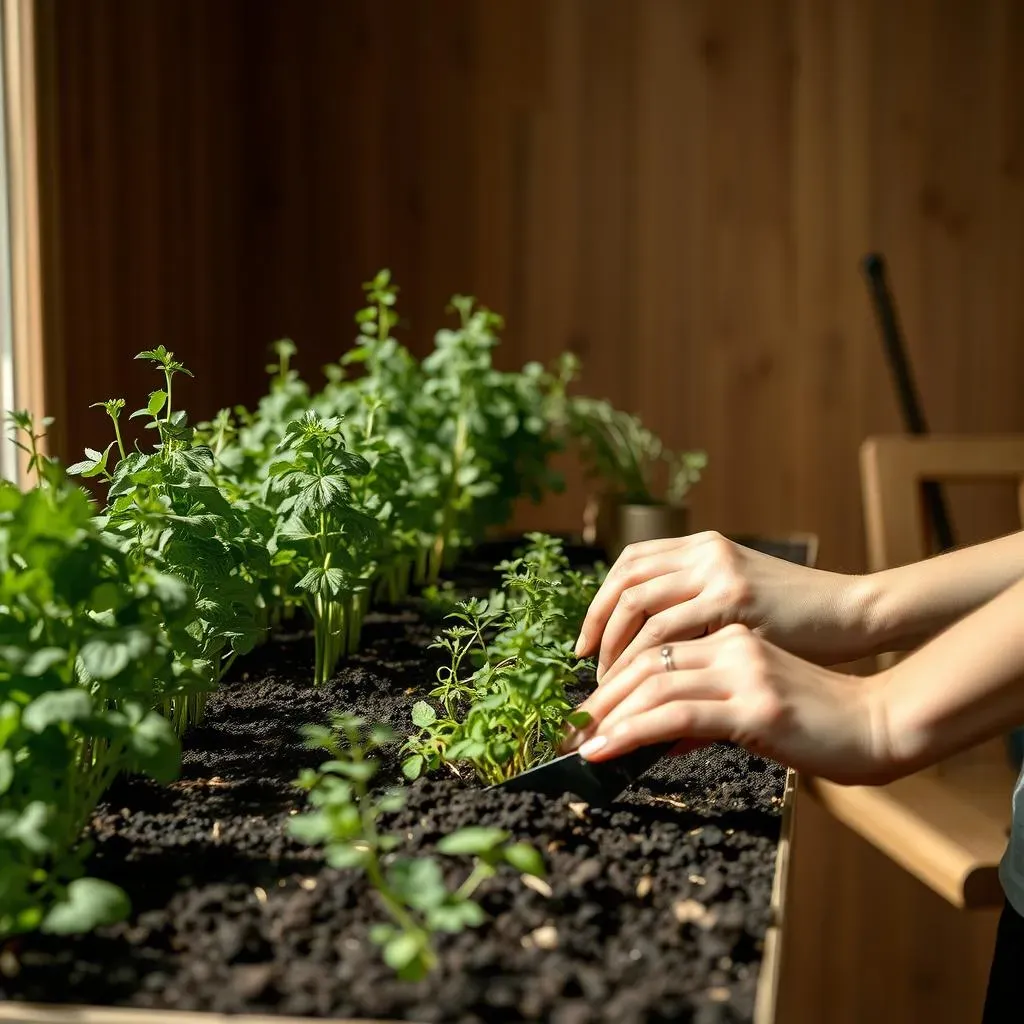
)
(662, 591)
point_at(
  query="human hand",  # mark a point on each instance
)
(735, 686)
(668, 590)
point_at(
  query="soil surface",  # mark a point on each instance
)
(654, 909)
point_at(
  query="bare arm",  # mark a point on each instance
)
(965, 685)
(900, 608)
(979, 662)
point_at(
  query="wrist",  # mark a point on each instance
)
(867, 615)
(893, 728)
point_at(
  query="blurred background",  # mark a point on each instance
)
(679, 191)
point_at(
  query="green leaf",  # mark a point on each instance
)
(380, 934)
(346, 857)
(55, 708)
(309, 828)
(423, 715)
(358, 771)
(475, 839)
(94, 463)
(412, 767)
(579, 719)
(40, 662)
(402, 949)
(6, 770)
(523, 857)
(157, 400)
(419, 882)
(107, 655)
(27, 828)
(391, 801)
(171, 591)
(90, 902)
(156, 748)
(455, 917)
(382, 735)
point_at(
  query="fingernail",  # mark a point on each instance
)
(581, 644)
(592, 746)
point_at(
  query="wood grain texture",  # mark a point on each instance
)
(25, 182)
(678, 190)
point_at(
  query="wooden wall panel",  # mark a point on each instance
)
(678, 190)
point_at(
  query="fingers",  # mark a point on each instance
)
(636, 564)
(635, 606)
(681, 622)
(707, 720)
(685, 658)
(664, 689)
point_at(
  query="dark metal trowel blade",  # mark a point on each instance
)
(596, 782)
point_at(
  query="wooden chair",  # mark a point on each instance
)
(948, 824)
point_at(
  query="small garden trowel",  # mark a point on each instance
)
(596, 782)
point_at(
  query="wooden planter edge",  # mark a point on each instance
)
(768, 979)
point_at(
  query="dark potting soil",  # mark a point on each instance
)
(654, 909)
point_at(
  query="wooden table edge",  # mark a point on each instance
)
(931, 828)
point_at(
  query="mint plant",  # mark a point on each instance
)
(321, 534)
(501, 703)
(86, 652)
(345, 817)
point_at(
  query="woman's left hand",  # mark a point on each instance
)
(735, 686)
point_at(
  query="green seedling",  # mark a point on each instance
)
(26, 436)
(346, 819)
(501, 704)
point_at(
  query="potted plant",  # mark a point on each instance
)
(645, 485)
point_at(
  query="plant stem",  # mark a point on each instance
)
(448, 515)
(117, 432)
(480, 873)
(167, 377)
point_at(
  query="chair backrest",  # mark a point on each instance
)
(893, 469)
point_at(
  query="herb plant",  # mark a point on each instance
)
(322, 534)
(26, 437)
(86, 651)
(619, 449)
(346, 818)
(166, 510)
(501, 702)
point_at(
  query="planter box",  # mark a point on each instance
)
(668, 901)
(764, 1010)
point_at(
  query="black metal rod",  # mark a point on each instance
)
(913, 416)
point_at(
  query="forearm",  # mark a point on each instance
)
(900, 608)
(964, 686)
